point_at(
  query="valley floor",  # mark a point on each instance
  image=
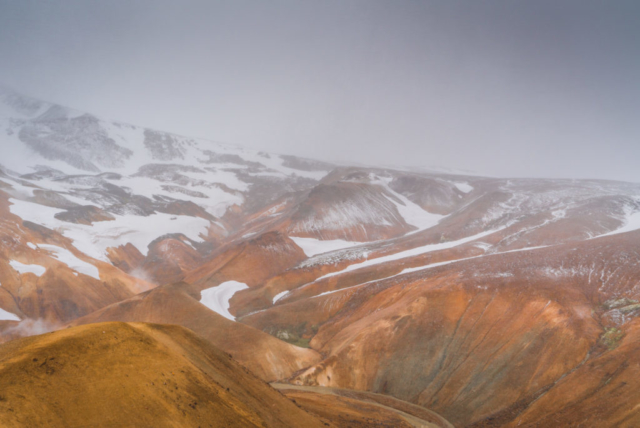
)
(349, 408)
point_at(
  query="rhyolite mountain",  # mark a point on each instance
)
(491, 301)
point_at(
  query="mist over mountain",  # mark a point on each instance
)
(541, 89)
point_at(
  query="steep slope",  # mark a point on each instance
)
(251, 261)
(602, 392)
(44, 277)
(118, 374)
(266, 356)
(474, 340)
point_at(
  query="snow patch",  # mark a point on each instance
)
(74, 263)
(312, 246)
(214, 199)
(8, 316)
(279, 296)
(631, 222)
(412, 213)
(21, 268)
(93, 240)
(411, 253)
(431, 266)
(464, 187)
(217, 298)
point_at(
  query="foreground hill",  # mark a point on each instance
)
(266, 356)
(118, 374)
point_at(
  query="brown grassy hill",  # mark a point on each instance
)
(125, 375)
(266, 356)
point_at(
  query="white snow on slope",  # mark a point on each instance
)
(369, 206)
(631, 222)
(215, 200)
(17, 112)
(19, 189)
(464, 187)
(276, 162)
(8, 316)
(400, 255)
(21, 268)
(426, 267)
(21, 158)
(412, 213)
(217, 298)
(279, 296)
(74, 263)
(93, 240)
(366, 207)
(192, 153)
(411, 253)
(312, 246)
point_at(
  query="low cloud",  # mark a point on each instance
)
(31, 327)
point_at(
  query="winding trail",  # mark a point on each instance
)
(415, 415)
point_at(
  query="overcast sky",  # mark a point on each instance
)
(508, 88)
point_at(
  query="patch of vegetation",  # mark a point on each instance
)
(298, 335)
(293, 338)
(630, 308)
(611, 337)
(301, 342)
(617, 303)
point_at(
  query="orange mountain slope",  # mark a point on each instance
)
(266, 356)
(119, 374)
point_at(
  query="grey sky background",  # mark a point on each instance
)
(542, 88)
